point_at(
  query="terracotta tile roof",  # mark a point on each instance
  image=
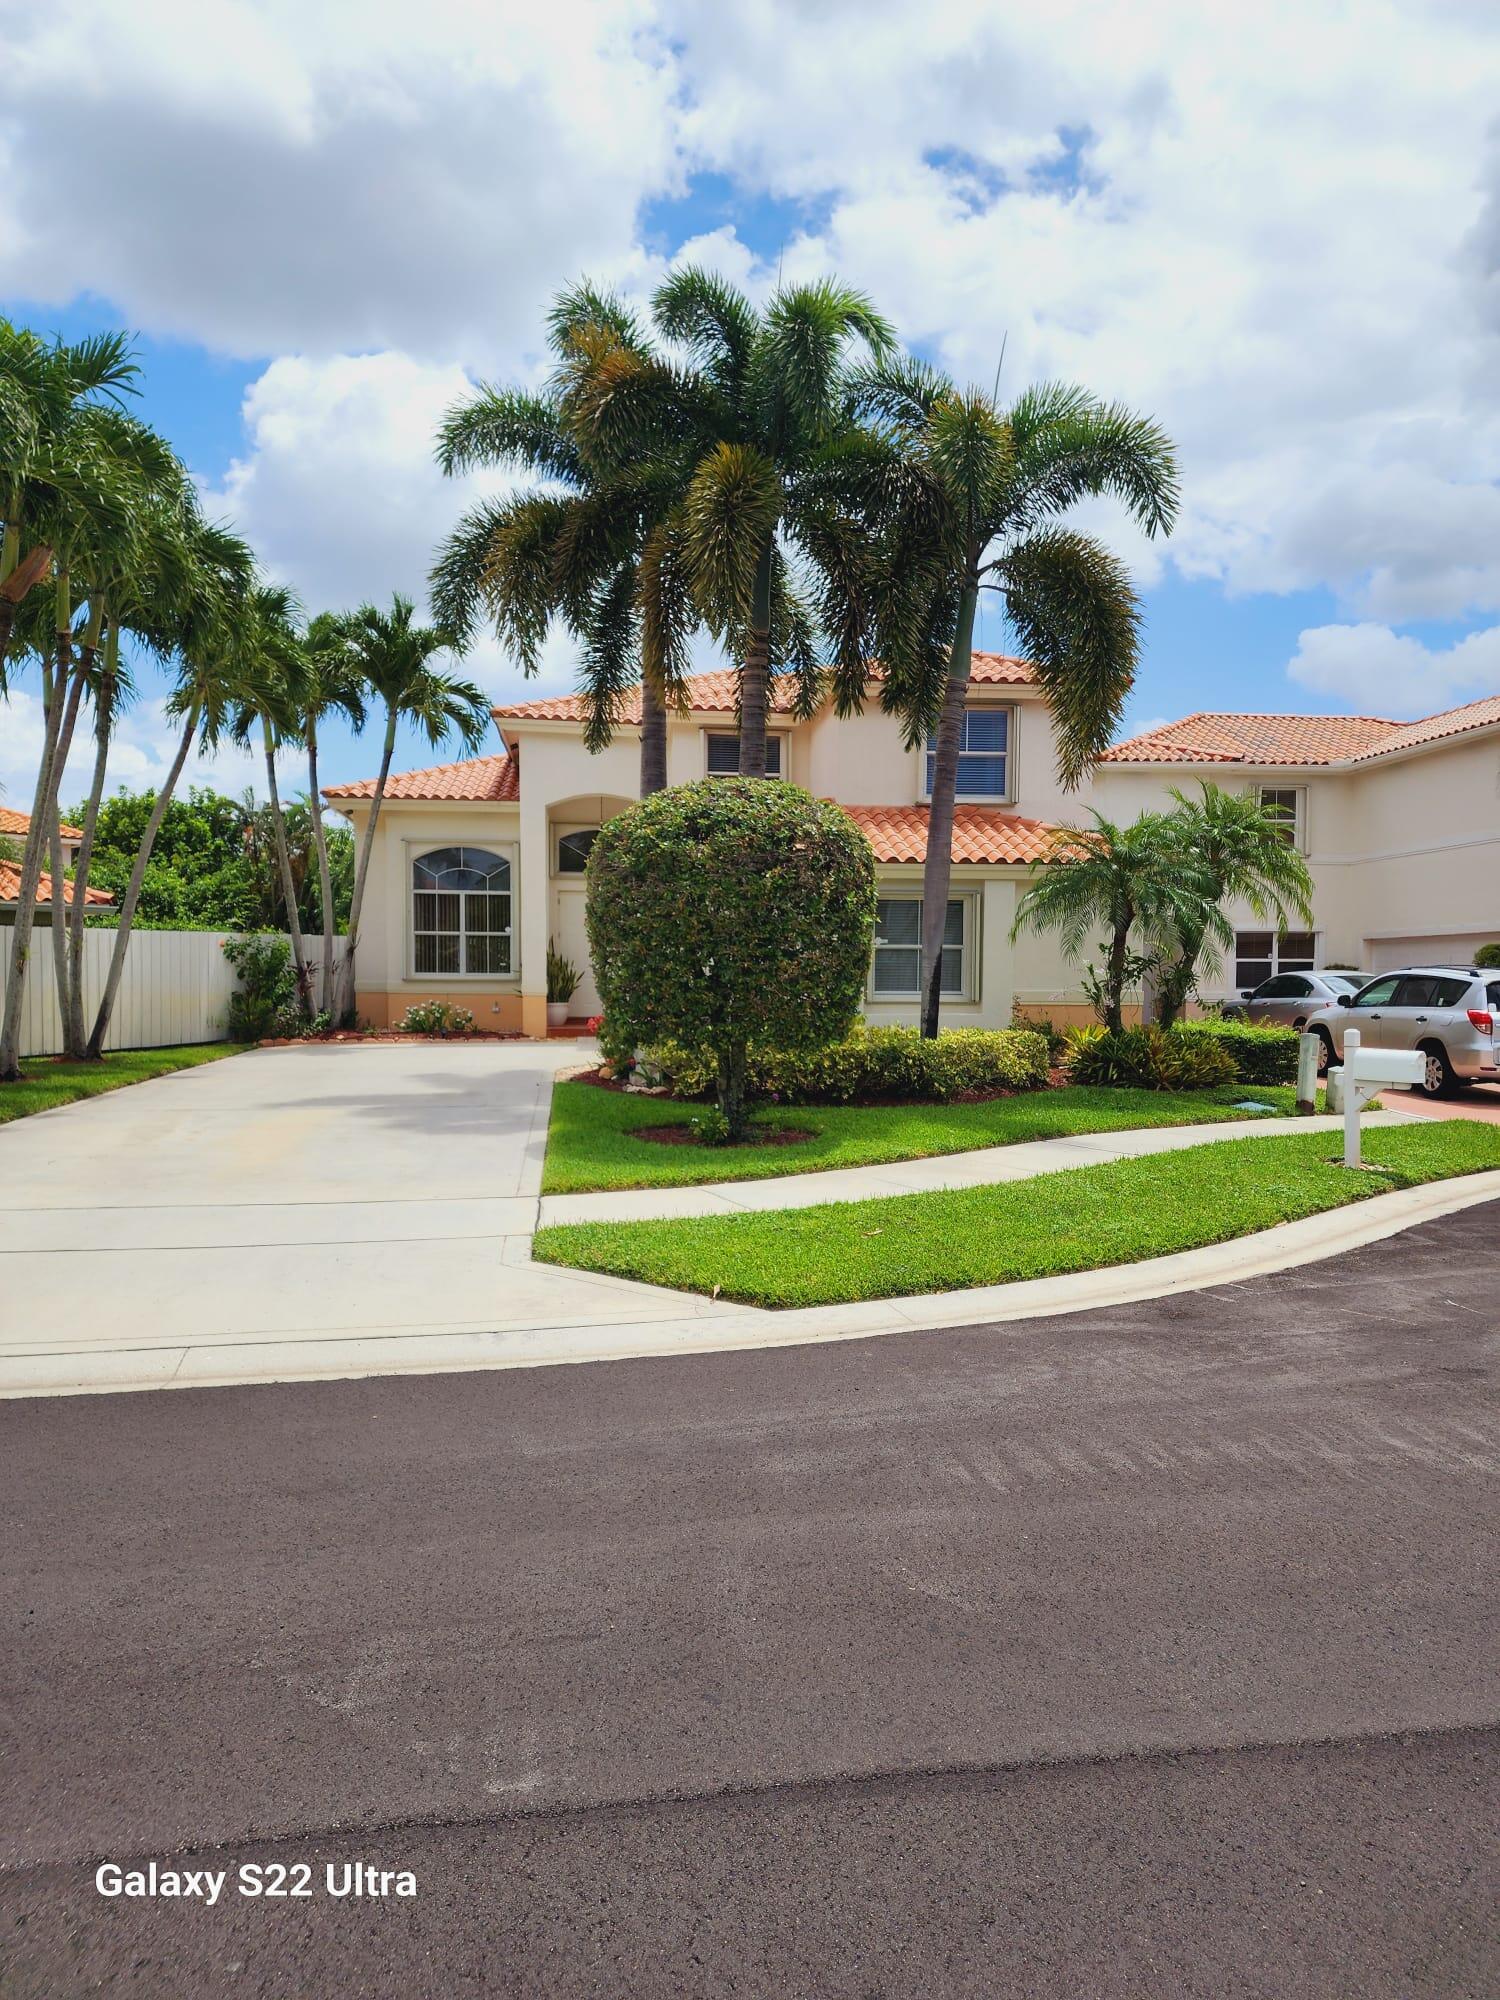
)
(490, 780)
(1480, 714)
(17, 824)
(10, 888)
(715, 693)
(1256, 739)
(980, 833)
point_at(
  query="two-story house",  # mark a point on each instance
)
(478, 865)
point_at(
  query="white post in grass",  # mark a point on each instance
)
(1308, 1047)
(1352, 1099)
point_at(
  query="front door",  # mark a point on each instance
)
(571, 935)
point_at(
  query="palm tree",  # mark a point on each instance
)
(392, 656)
(1122, 881)
(276, 675)
(83, 496)
(597, 544)
(967, 496)
(330, 686)
(751, 423)
(212, 686)
(1247, 857)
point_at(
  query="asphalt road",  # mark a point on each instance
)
(1142, 1652)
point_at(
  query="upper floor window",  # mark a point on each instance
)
(573, 849)
(1282, 805)
(724, 754)
(983, 755)
(461, 911)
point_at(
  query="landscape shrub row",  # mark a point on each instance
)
(872, 1064)
(1194, 1055)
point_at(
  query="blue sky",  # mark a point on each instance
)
(322, 240)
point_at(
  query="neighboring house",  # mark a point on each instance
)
(13, 830)
(477, 864)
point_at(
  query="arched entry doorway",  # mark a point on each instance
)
(571, 827)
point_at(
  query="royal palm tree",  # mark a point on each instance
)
(1247, 857)
(392, 656)
(968, 497)
(1123, 883)
(213, 684)
(330, 686)
(597, 544)
(749, 423)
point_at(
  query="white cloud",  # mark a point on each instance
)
(1381, 672)
(1283, 241)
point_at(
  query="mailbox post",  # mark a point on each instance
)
(1365, 1072)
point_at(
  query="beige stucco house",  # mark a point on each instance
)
(478, 864)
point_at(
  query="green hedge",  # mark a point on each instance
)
(1148, 1059)
(1261, 1055)
(874, 1063)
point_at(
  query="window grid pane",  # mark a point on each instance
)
(896, 972)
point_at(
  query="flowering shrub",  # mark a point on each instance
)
(436, 1017)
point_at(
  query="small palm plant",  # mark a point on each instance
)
(1127, 883)
(1245, 856)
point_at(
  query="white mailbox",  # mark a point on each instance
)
(1365, 1072)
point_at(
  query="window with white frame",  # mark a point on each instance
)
(1282, 805)
(983, 755)
(461, 912)
(1260, 955)
(896, 968)
(723, 747)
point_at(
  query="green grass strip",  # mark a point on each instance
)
(593, 1139)
(1081, 1219)
(45, 1084)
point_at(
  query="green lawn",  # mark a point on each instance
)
(45, 1083)
(592, 1142)
(1077, 1220)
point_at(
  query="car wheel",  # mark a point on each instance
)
(1438, 1080)
(1327, 1059)
(1298, 1026)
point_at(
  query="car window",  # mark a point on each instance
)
(1420, 991)
(1296, 988)
(1273, 989)
(1492, 994)
(1342, 982)
(1376, 994)
(1449, 992)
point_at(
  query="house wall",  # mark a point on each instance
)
(1402, 854)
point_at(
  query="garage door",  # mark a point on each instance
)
(1386, 954)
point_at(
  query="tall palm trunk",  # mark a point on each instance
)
(77, 1031)
(55, 700)
(357, 901)
(653, 739)
(59, 927)
(288, 883)
(755, 675)
(73, 1042)
(1115, 965)
(938, 870)
(133, 888)
(325, 878)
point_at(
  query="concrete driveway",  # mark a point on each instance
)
(287, 1194)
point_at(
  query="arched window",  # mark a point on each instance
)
(460, 911)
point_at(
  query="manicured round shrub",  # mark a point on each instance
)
(1487, 957)
(731, 913)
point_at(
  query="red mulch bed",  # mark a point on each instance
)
(758, 1135)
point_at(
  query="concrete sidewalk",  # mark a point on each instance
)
(984, 1167)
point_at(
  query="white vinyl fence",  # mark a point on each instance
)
(175, 988)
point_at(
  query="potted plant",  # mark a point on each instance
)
(562, 983)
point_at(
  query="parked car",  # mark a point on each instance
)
(1448, 1012)
(1290, 999)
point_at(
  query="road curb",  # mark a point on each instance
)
(688, 1325)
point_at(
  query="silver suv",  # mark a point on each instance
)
(1448, 1012)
